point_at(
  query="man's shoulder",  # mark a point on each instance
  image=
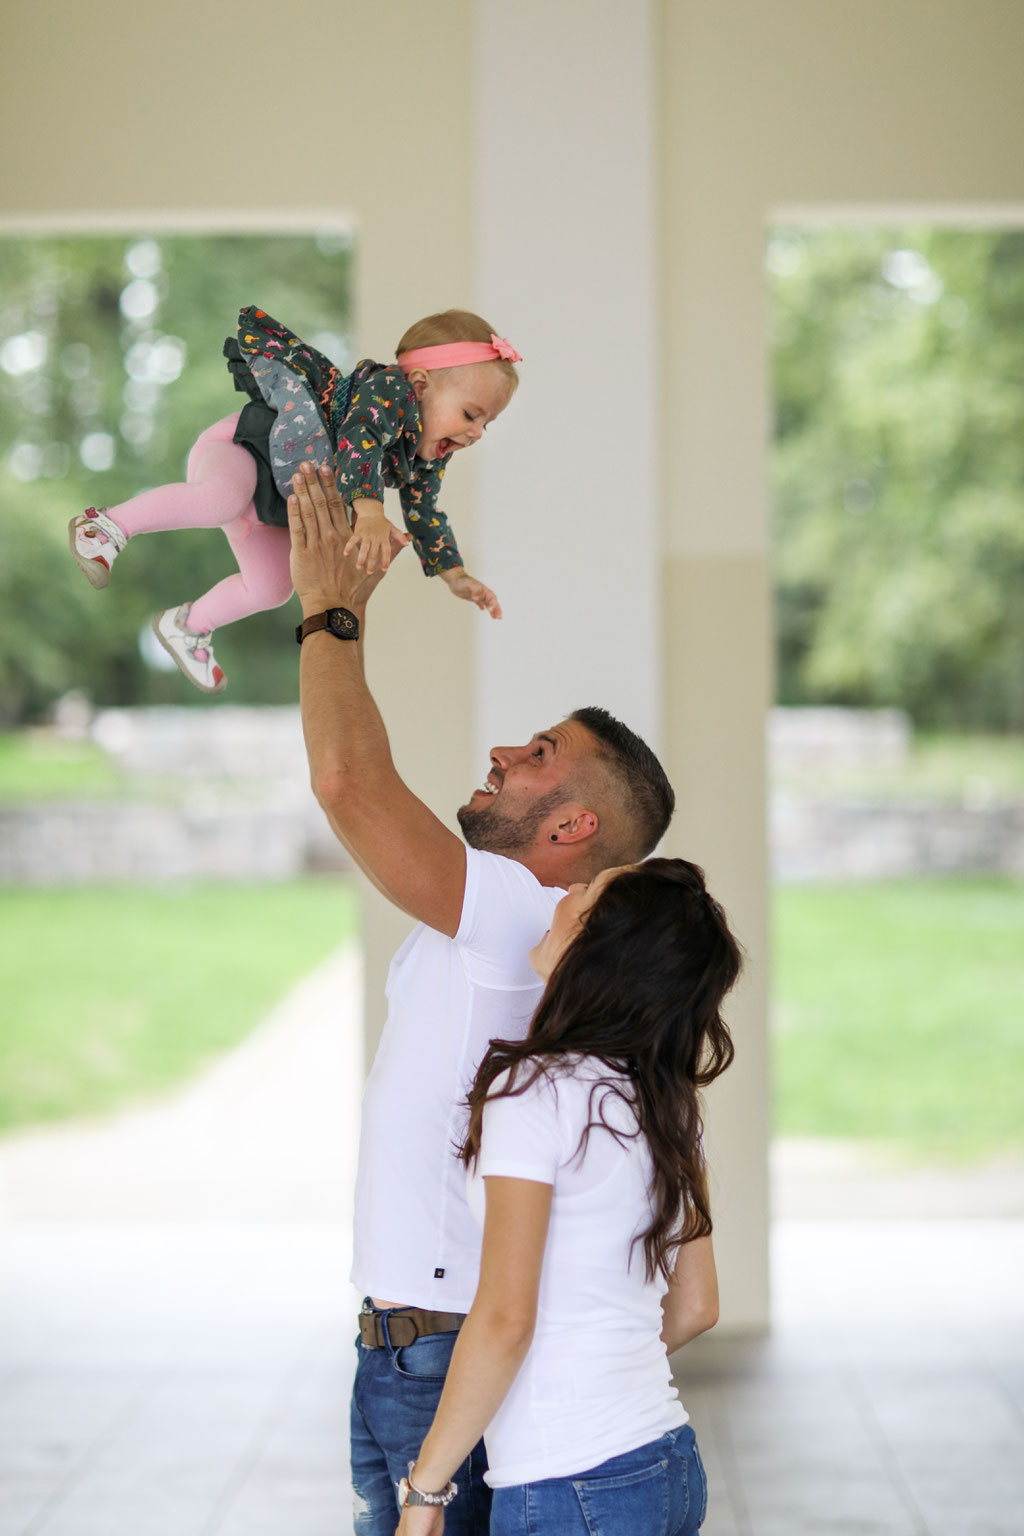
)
(503, 900)
(502, 870)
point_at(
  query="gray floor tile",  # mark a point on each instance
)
(23, 1498)
(946, 1411)
(826, 1522)
(720, 1521)
(278, 1504)
(143, 1516)
(976, 1521)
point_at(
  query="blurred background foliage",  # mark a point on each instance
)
(110, 367)
(898, 470)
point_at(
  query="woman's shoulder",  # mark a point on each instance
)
(569, 1079)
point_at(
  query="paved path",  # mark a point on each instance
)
(267, 1135)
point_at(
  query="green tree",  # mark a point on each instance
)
(110, 366)
(898, 470)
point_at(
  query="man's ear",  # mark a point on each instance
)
(574, 824)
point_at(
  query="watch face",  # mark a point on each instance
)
(342, 622)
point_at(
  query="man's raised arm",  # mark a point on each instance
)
(405, 850)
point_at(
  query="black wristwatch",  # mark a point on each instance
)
(338, 622)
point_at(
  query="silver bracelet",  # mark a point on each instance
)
(408, 1493)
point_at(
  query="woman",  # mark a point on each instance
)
(586, 1166)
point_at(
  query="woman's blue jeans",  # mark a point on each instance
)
(394, 1399)
(658, 1490)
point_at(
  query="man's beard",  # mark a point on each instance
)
(509, 832)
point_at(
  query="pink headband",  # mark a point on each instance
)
(454, 354)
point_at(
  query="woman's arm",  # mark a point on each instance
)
(494, 1338)
(690, 1305)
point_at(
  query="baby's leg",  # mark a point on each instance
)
(220, 484)
(263, 579)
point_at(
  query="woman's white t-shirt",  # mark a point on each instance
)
(596, 1381)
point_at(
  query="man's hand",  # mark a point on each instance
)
(461, 584)
(322, 575)
(373, 536)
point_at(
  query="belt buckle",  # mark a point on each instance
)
(369, 1326)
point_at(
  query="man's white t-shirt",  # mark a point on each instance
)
(596, 1381)
(415, 1242)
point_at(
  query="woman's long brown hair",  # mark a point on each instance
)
(641, 989)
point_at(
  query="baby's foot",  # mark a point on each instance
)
(192, 651)
(96, 541)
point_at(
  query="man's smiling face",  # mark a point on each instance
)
(524, 788)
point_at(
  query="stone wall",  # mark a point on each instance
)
(241, 808)
(847, 839)
(822, 738)
(216, 794)
(75, 844)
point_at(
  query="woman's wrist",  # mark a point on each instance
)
(427, 1478)
(452, 572)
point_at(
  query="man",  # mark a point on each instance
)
(583, 796)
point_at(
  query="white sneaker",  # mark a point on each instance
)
(96, 541)
(193, 652)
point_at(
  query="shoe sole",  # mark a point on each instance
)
(172, 653)
(94, 572)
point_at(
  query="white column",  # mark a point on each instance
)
(567, 526)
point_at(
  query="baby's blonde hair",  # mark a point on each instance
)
(455, 325)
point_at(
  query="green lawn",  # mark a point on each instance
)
(111, 993)
(36, 765)
(899, 1014)
(899, 1011)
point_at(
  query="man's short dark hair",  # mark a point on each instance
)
(646, 792)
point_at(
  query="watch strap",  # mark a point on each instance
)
(339, 622)
(408, 1493)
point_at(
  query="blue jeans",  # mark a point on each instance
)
(658, 1490)
(394, 1399)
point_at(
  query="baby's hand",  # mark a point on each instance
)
(462, 584)
(373, 535)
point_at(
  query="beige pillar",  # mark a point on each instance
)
(764, 105)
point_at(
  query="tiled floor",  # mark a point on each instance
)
(193, 1382)
(174, 1382)
(809, 1435)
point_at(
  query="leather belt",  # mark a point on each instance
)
(405, 1326)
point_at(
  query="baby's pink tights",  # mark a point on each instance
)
(217, 493)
